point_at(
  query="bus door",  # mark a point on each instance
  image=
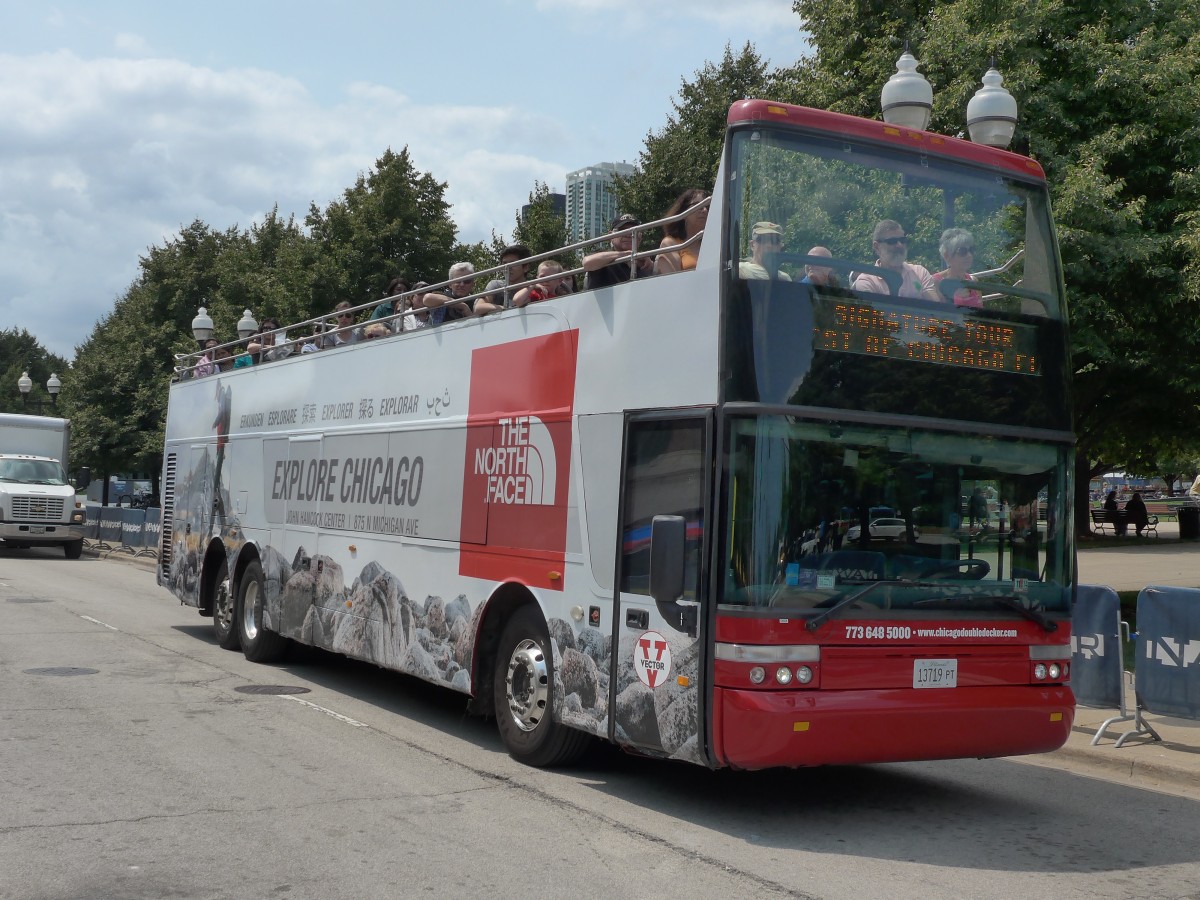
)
(193, 518)
(658, 668)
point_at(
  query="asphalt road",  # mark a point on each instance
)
(153, 776)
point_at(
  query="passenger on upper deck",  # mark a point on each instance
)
(766, 240)
(549, 281)
(275, 343)
(822, 276)
(420, 318)
(609, 267)
(388, 307)
(679, 232)
(345, 332)
(958, 251)
(499, 296)
(441, 309)
(206, 364)
(890, 244)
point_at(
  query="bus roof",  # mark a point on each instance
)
(767, 111)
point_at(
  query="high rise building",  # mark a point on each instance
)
(591, 203)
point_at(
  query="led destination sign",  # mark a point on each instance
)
(952, 339)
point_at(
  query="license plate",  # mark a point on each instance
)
(935, 673)
(37, 529)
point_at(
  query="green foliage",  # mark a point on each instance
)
(1108, 97)
(394, 219)
(685, 153)
(20, 352)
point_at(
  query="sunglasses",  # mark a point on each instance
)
(965, 251)
(894, 241)
(768, 239)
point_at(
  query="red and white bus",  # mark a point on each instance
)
(626, 513)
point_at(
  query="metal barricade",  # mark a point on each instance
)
(1098, 639)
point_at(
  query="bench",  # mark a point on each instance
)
(1119, 522)
(1161, 510)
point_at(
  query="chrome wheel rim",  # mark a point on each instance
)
(223, 606)
(249, 611)
(527, 685)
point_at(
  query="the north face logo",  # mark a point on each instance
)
(517, 469)
(522, 469)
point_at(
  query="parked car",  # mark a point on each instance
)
(883, 530)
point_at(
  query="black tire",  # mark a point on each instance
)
(73, 549)
(224, 610)
(258, 644)
(523, 695)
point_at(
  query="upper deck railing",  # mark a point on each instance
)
(186, 363)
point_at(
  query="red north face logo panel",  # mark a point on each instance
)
(518, 464)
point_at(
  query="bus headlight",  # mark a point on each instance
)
(757, 674)
(804, 674)
(1039, 671)
(783, 675)
(1055, 671)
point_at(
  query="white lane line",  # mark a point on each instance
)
(329, 712)
(98, 622)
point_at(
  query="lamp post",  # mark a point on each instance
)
(907, 101)
(907, 98)
(25, 385)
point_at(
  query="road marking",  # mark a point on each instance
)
(98, 622)
(328, 712)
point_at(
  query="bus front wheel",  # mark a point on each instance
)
(523, 695)
(259, 644)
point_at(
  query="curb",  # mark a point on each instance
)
(1109, 765)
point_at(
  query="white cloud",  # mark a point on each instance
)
(102, 158)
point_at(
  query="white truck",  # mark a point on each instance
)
(37, 500)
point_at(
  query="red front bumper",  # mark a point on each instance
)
(763, 729)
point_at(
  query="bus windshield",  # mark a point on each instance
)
(816, 511)
(956, 312)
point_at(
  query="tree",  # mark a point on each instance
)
(20, 352)
(687, 151)
(394, 220)
(1108, 93)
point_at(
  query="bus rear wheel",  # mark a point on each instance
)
(224, 612)
(523, 695)
(259, 644)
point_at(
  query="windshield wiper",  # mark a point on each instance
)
(817, 621)
(1001, 600)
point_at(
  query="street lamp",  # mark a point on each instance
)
(992, 112)
(246, 325)
(202, 326)
(907, 98)
(25, 385)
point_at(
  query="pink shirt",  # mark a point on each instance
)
(964, 296)
(914, 280)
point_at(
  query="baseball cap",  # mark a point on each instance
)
(623, 221)
(766, 228)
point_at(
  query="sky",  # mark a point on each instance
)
(121, 122)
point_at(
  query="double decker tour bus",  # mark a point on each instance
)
(735, 515)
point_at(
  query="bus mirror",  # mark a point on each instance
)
(83, 478)
(668, 535)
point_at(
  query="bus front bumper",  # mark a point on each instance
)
(764, 729)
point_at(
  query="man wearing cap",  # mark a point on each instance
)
(499, 296)
(890, 244)
(609, 267)
(766, 240)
